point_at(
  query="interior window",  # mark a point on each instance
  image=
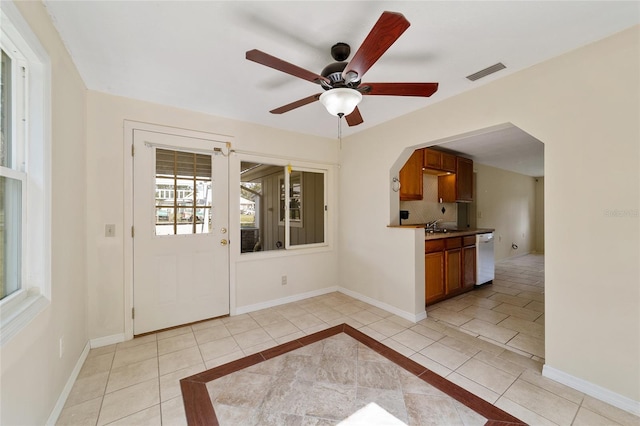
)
(182, 193)
(280, 207)
(306, 208)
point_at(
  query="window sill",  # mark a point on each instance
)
(18, 312)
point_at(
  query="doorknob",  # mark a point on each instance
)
(224, 242)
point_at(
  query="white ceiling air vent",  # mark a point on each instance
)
(485, 72)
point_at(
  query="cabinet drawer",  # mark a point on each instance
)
(433, 246)
(469, 240)
(455, 242)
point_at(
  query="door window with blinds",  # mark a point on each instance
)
(182, 193)
(281, 207)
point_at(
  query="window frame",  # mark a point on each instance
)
(286, 201)
(177, 191)
(287, 166)
(19, 41)
(298, 223)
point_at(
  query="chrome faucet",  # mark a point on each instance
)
(432, 225)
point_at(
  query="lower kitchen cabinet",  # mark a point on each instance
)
(452, 279)
(434, 276)
(449, 267)
(469, 266)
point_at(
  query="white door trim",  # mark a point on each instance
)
(129, 127)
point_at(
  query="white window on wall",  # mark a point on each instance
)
(24, 174)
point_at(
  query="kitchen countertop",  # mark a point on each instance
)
(449, 232)
(456, 233)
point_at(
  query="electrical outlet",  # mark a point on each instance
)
(499, 238)
(61, 346)
(479, 214)
(284, 280)
(110, 230)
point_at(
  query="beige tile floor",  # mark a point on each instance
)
(327, 381)
(137, 382)
(508, 313)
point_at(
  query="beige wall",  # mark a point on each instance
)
(256, 277)
(32, 373)
(584, 106)
(505, 201)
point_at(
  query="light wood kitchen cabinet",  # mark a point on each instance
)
(411, 177)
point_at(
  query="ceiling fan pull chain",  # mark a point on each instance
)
(340, 130)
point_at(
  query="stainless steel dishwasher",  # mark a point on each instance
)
(485, 268)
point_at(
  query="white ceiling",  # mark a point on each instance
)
(505, 147)
(192, 54)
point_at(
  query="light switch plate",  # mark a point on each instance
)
(110, 230)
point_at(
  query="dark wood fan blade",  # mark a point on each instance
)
(384, 33)
(286, 67)
(296, 104)
(398, 89)
(354, 118)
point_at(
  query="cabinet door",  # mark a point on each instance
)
(447, 189)
(411, 177)
(453, 276)
(433, 276)
(464, 179)
(469, 266)
(449, 162)
(432, 159)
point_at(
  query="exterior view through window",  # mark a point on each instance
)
(182, 193)
(12, 184)
(266, 207)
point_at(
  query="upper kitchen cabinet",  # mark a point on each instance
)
(457, 187)
(464, 179)
(438, 160)
(411, 177)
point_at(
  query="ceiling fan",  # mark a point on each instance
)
(342, 81)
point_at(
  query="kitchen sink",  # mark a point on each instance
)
(436, 231)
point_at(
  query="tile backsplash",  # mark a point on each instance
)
(428, 209)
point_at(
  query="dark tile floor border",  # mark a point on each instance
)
(199, 408)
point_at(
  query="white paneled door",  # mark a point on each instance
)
(180, 222)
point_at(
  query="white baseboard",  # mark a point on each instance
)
(107, 340)
(277, 302)
(591, 389)
(392, 309)
(62, 399)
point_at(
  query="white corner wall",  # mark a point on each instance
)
(32, 374)
(584, 106)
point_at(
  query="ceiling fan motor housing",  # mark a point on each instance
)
(340, 51)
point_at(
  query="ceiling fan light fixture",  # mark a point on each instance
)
(340, 101)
